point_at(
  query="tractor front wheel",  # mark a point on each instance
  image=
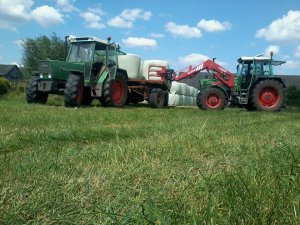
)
(115, 92)
(32, 93)
(269, 95)
(211, 99)
(74, 91)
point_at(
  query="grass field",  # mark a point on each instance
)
(139, 165)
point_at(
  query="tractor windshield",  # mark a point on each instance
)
(81, 52)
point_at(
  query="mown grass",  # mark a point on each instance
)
(143, 166)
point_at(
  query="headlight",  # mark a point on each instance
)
(41, 76)
(49, 76)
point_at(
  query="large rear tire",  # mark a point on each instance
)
(211, 99)
(74, 91)
(269, 95)
(115, 92)
(157, 98)
(32, 93)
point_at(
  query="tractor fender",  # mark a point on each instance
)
(76, 72)
(279, 79)
(123, 72)
(224, 89)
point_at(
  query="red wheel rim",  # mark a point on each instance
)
(79, 94)
(213, 101)
(117, 91)
(268, 97)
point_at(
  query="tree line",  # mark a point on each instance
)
(41, 48)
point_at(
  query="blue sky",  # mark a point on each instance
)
(182, 32)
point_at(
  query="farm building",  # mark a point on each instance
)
(10, 72)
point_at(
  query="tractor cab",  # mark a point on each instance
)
(96, 54)
(249, 69)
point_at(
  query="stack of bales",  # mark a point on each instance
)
(142, 70)
(152, 70)
(182, 94)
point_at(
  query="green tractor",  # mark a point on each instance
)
(90, 71)
(253, 87)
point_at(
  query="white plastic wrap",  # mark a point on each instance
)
(131, 63)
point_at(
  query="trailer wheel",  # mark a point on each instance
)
(157, 98)
(32, 93)
(269, 95)
(115, 92)
(211, 99)
(74, 91)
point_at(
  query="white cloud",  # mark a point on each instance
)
(297, 53)
(183, 31)
(128, 16)
(15, 10)
(133, 14)
(272, 48)
(13, 13)
(213, 25)
(47, 16)
(192, 59)
(286, 28)
(92, 18)
(196, 58)
(120, 22)
(156, 35)
(18, 43)
(66, 5)
(139, 42)
(291, 64)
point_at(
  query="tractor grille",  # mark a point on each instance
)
(44, 67)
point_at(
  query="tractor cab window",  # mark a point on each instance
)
(262, 69)
(100, 53)
(81, 52)
(111, 56)
(245, 69)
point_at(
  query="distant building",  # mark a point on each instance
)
(10, 72)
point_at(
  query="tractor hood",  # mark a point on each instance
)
(55, 69)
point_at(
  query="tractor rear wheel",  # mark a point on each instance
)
(32, 93)
(157, 98)
(115, 92)
(269, 95)
(211, 99)
(74, 91)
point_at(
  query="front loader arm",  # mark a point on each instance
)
(223, 76)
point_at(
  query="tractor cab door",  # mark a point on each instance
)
(245, 73)
(112, 60)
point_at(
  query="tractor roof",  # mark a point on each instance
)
(87, 39)
(260, 59)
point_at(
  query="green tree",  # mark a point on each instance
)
(41, 48)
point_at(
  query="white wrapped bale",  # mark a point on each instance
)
(131, 63)
(184, 88)
(176, 88)
(196, 91)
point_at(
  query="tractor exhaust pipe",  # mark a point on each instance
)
(66, 46)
